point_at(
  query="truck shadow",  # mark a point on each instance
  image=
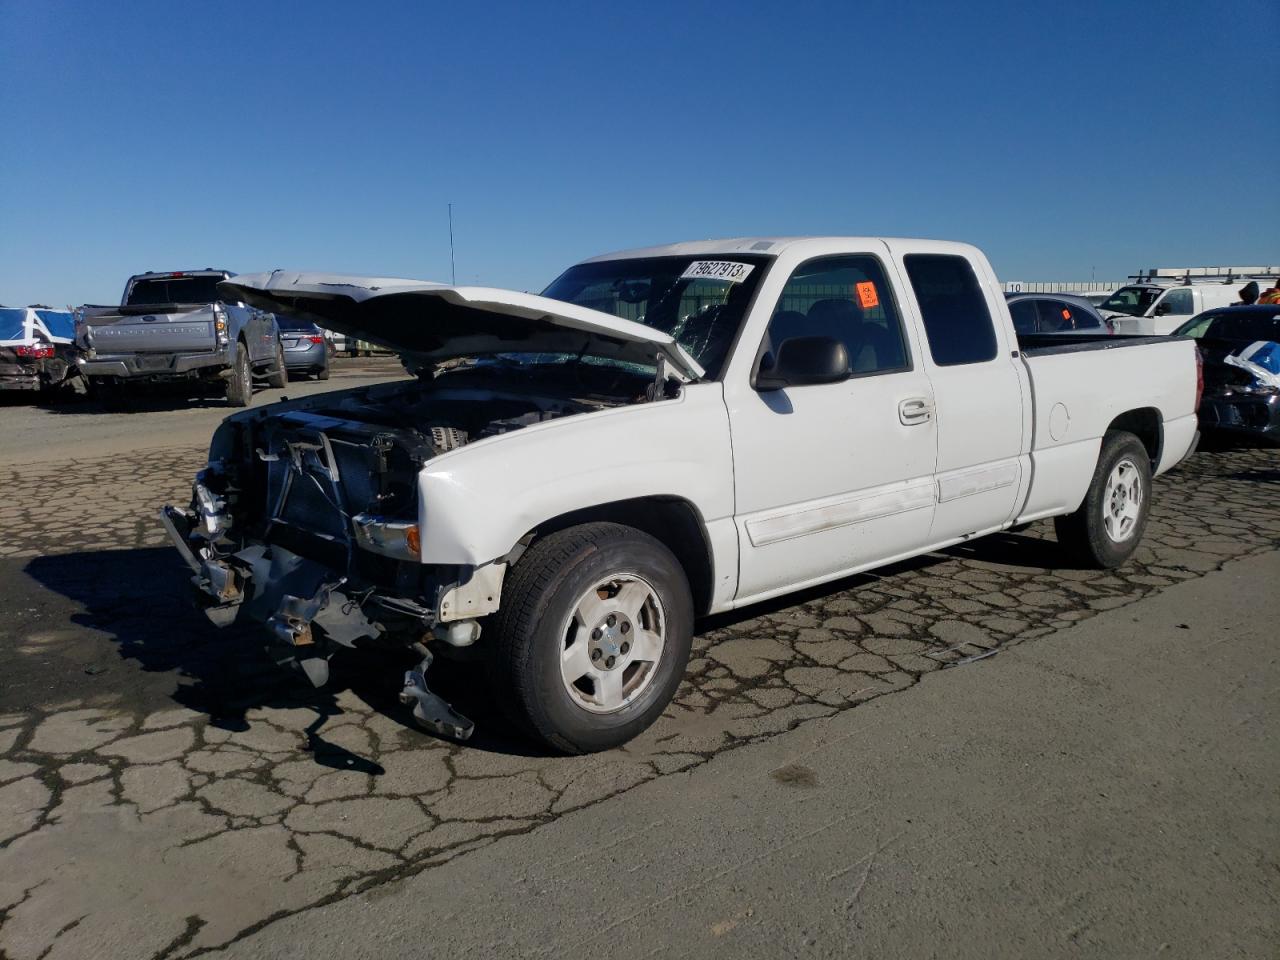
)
(116, 628)
(135, 641)
(154, 400)
(1008, 549)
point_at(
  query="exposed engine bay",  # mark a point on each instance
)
(306, 518)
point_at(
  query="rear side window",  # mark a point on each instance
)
(956, 319)
(1024, 315)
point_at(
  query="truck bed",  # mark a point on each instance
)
(1044, 344)
(1081, 384)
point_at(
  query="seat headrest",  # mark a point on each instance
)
(836, 312)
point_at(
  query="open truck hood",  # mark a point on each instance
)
(440, 322)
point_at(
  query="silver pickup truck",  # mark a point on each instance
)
(174, 326)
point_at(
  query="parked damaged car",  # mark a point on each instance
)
(37, 349)
(1057, 313)
(570, 479)
(1240, 347)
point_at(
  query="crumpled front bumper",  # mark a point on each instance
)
(293, 596)
(268, 584)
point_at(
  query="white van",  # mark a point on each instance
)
(1162, 300)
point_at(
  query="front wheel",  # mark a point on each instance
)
(1108, 526)
(593, 636)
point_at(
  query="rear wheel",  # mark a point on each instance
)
(109, 394)
(1107, 528)
(323, 373)
(593, 636)
(279, 376)
(240, 382)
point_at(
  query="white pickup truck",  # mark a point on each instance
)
(573, 478)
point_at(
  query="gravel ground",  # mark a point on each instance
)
(147, 759)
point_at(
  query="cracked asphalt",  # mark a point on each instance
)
(167, 789)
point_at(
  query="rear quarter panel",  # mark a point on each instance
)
(1077, 395)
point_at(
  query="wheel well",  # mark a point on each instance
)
(674, 522)
(1145, 424)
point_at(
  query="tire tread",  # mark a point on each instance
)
(525, 595)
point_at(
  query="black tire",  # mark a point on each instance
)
(110, 396)
(1084, 534)
(538, 600)
(240, 383)
(278, 376)
(323, 373)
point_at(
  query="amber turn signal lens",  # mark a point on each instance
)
(412, 540)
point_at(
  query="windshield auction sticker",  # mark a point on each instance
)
(718, 270)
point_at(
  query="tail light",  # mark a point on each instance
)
(220, 323)
(39, 351)
(316, 339)
(1199, 377)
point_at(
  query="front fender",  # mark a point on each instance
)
(477, 502)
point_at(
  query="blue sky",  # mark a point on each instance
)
(1063, 139)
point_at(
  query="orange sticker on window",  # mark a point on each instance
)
(867, 295)
(1066, 314)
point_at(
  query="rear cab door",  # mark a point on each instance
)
(980, 388)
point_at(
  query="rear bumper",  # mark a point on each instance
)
(34, 376)
(145, 365)
(309, 358)
(19, 381)
(1253, 416)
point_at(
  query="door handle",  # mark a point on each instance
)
(915, 410)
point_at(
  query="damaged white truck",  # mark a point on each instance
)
(573, 478)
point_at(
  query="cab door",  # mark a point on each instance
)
(834, 477)
(979, 386)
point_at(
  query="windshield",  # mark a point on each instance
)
(160, 291)
(12, 323)
(1135, 301)
(1251, 326)
(699, 302)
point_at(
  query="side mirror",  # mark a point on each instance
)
(1162, 308)
(805, 360)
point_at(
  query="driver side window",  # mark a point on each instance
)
(845, 298)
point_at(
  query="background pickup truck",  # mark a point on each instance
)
(663, 434)
(173, 326)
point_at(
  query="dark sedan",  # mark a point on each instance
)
(1240, 348)
(1055, 313)
(305, 349)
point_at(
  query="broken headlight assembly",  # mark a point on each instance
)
(392, 538)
